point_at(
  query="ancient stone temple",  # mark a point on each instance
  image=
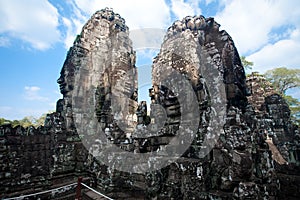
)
(211, 132)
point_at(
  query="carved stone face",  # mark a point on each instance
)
(66, 79)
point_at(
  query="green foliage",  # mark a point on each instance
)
(294, 106)
(4, 121)
(26, 121)
(40, 121)
(247, 64)
(291, 100)
(15, 123)
(283, 79)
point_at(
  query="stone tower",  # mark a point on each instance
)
(100, 62)
(199, 92)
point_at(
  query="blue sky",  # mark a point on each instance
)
(36, 34)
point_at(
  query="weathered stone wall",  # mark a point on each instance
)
(276, 135)
(101, 57)
(255, 156)
(245, 162)
(35, 160)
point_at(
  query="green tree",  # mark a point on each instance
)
(247, 64)
(40, 121)
(4, 121)
(283, 79)
(15, 123)
(27, 121)
(294, 106)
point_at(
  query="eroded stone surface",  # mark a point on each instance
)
(101, 63)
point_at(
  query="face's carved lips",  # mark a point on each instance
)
(62, 86)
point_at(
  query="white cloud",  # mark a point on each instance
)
(35, 104)
(138, 14)
(70, 32)
(251, 22)
(4, 42)
(284, 53)
(33, 21)
(73, 24)
(182, 8)
(147, 38)
(32, 94)
(209, 1)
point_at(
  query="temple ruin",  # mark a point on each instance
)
(241, 141)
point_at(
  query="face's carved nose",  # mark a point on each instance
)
(60, 80)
